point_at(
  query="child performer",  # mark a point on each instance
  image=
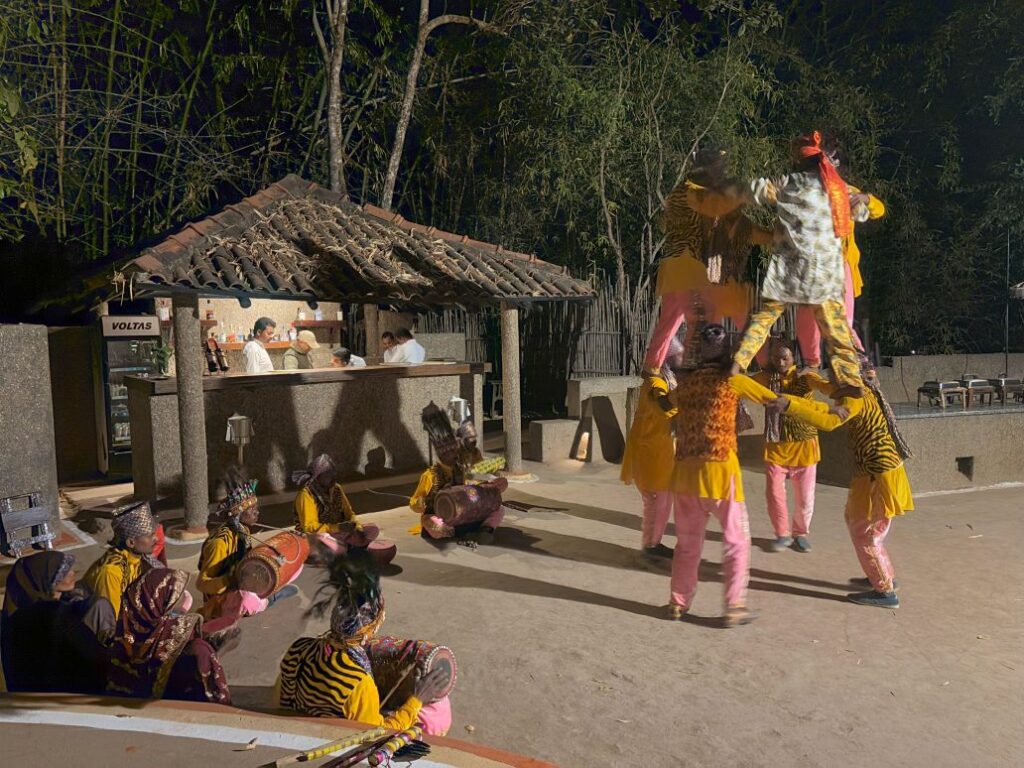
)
(791, 450)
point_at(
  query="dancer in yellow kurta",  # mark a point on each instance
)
(707, 241)
(879, 490)
(323, 511)
(791, 451)
(649, 459)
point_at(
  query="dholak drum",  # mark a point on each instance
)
(391, 659)
(268, 567)
(382, 551)
(465, 504)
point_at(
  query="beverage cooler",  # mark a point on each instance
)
(128, 348)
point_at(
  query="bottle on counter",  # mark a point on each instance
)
(318, 315)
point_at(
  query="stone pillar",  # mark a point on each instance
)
(191, 412)
(371, 321)
(510, 389)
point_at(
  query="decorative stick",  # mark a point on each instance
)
(363, 737)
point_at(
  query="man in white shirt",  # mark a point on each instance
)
(409, 350)
(388, 347)
(254, 353)
(342, 358)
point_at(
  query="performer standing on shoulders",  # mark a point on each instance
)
(130, 554)
(863, 207)
(879, 490)
(707, 478)
(323, 511)
(806, 267)
(791, 451)
(650, 453)
(707, 241)
(224, 550)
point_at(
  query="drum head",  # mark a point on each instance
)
(257, 575)
(382, 551)
(443, 658)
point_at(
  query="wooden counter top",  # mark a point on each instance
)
(169, 386)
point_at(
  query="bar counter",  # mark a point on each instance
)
(367, 419)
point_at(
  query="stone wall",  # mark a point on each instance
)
(28, 462)
(372, 428)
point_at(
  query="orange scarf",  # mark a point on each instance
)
(835, 187)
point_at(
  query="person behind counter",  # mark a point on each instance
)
(298, 357)
(389, 347)
(343, 358)
(254, 353)
(409, 350)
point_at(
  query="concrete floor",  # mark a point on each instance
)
(564, 655)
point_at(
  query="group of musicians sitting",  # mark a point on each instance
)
(127, 627)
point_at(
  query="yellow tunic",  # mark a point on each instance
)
(217, 561)
(319, 678)
(307, 514)
(112, 574)
(649, 459)
(795, 453)
(880, 485)
(876, 210)
(705, 479)
(433, 479)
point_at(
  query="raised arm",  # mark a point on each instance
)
(746, 387)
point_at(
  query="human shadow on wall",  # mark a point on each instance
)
(606, 424)
(372, 406)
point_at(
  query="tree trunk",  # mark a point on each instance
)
(334, 57)
(426, 27)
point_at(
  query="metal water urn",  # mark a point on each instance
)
(240, 433)
(458, 410)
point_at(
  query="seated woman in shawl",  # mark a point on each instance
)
(222, 552)
(331, 675)
(159, 651)
(323, 511)
(48, 632)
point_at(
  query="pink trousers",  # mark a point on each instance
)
(807, 332)
(436, 718)
(675, 308)
(339, 543)
(692, 515)
(657, 506)
(869, 541)
(437, 528)
(803, 479)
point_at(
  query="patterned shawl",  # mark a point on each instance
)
(32, 579)
(150, 638)
(326, 499)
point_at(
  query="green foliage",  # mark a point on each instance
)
(559, 134)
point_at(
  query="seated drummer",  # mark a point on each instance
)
(457, 453)
(224, 550)
(323, 511)
(130, 555)
(331, 675)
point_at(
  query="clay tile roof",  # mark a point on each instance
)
(295, 239)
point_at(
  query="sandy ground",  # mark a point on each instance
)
(564, 655)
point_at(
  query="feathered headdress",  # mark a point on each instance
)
(241, 494)
(439, 430)
(351, 592)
